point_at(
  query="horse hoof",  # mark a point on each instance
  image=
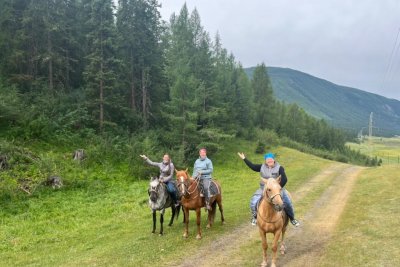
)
(160, 234)
(223, 222)
(208, 226)
(185, 236)
(198, 237)
(263, 264)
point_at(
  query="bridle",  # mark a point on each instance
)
(155, 189)
(271, 198)
(185, 183)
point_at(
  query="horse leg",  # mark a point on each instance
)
(173, 215)
(283, 248)
(162, 221)
(264, 245)
(221, 209)
(186, 219)
(211, 214)
(154, 221)
(275, 248)
(198, 221)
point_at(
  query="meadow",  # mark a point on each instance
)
(106, 222)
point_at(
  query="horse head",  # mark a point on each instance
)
(272, 189)
(154, 188)
(183, 179)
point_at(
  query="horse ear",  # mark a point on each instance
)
(176, 171)
(264, 180)
(186, 170)
(278, 179)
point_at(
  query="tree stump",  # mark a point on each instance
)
(79, 154)
(3, 162)
(54, 181)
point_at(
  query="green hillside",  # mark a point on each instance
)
(340, 106)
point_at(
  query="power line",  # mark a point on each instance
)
(396, 48)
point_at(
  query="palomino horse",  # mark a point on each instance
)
(159, 199)
(191, 200)
(271, 218)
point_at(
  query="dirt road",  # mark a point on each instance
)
(305, 245)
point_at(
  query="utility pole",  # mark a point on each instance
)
(370, 125)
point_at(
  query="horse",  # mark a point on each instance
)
(271, 218)
(159, 199)
(191, 200)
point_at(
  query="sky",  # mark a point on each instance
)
(350, 43)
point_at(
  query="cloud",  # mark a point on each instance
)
(346, 42)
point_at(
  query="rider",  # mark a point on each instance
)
(166, 173)
(270, 169)
(203, 167)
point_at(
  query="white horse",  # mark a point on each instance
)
(159, 199)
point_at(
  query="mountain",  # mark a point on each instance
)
(340, 106)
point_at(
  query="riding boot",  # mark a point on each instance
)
(254, 218)
(208, 207)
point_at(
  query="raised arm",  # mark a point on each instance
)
(148, 161)
(254, 167)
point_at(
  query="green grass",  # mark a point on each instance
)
(387, 149)
(106, 222)
(368, 233)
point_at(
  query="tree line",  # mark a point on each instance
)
(88, 68)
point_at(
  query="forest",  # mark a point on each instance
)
(119, 79)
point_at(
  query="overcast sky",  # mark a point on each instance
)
(346, 42)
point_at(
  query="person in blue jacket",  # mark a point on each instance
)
(203, 168)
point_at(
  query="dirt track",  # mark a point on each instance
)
(305, 245)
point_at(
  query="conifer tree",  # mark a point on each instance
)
(101, 61)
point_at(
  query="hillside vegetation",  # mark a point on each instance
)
(340, 106)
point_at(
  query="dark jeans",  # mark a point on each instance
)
(172, 191)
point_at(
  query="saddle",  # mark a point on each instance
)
(213, 189)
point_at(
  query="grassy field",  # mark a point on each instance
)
(107, 222)
(387, 149)
(368, 232)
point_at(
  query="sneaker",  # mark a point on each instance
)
(295, 223)
(253, 221)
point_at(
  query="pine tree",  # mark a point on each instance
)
(101, 61)
(263, 98)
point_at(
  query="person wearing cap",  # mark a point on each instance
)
(166, 173)
(269, 169)
(203, 168)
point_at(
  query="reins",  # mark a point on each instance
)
(266, 221)
(187, 185)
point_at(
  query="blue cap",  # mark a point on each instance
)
(269, 156)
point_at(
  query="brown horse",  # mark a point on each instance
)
(271, 218)
(191, 200)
